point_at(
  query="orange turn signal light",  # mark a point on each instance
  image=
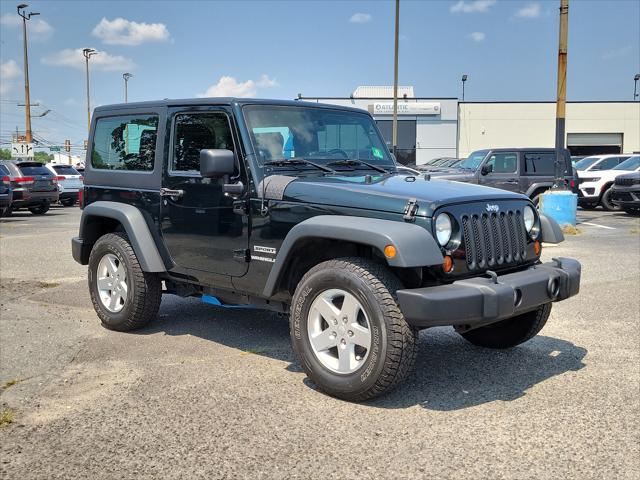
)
(537, 247)
(390, 251)
(447, 264)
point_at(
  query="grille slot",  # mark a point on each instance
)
(493, 239)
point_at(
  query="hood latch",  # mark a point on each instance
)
(410, 210)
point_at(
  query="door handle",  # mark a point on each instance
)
(166, 192)
(514, 182)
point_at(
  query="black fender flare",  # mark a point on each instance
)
(415, 246)
(551, 231)
(134, 224)
(537, 186)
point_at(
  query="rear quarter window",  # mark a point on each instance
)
(542, 163)
(126, 142)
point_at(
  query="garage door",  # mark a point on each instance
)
(594, 143)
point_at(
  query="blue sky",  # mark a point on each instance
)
(279, 49)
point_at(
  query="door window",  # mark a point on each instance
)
(608, 163)
(125, 143)
(198, 131)
(503, 162)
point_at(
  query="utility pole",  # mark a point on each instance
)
(27, 97)
(394, 134)
(126, 77)
(88, 53)
(635, 85)
(559, 183)
(464, 80)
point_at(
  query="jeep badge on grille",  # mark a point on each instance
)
(492, 208)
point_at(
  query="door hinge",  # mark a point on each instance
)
(242, 254)
(241, 207)
(410, 209)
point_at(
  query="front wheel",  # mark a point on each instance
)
(40, 209)
(510, 332)
(607, 204)
(348, 331)
(123, 295)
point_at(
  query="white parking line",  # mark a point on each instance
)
(596, 225)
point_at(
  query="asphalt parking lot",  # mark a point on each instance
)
(206, 392)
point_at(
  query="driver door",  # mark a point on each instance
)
(199, 227)
(503, 171)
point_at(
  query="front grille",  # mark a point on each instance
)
(626, 181)
(494, 239)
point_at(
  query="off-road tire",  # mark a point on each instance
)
(68, 202)
(144, 289)
(606, 202)
(394, 341)
(510, 332)
(40, 209)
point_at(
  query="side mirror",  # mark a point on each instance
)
(486, 169)
(215, 163)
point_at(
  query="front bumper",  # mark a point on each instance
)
(484, 300)
(626, 196)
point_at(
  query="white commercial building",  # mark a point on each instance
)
(430, 127)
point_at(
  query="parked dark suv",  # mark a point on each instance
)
(525, 170)
(299, 208)
(34, 186)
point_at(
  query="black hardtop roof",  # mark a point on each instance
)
(171, 102)
(521, 149)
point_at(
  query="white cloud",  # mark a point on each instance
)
(9, 71)
(360, 18)
(530, 11)
(229, 87)
(477, 36)
(125, 32)
(37, 28)
(617, 52)
(75, 59)
(472, 6)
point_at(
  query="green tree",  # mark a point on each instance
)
(43, 157)
(5, 154)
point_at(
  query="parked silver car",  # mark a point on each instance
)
(70, 182)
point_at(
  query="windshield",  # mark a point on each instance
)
(473, 161)
(585, 163)
(631, 163)
(317, 134)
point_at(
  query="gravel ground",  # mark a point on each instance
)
(206, 392)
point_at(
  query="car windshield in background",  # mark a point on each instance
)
(319, 135)
(585, 163)
(35, 170)
(631, 163)
(65, 170)
(473, 161)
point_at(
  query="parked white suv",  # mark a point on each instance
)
(600, 162)
(70, 182)
(595, 185)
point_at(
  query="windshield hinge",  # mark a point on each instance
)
(410, 210)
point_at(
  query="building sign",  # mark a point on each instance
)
(406, 108)
(21, 150)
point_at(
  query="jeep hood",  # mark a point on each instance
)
(389, 193)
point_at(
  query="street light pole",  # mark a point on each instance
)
(126, 77)
(27, 96)
(559, 183)
(635, 85)
(88, 53)
(394, 134)
(464, 80)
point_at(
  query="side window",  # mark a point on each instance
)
(4, 170)
(198, 131)
(125, 143)
(503, 162)
(539, 163)
(606, 164)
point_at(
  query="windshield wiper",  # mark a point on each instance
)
(283, 162)
(350, 162)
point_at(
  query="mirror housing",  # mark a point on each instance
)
(216, 163)
(486, 169)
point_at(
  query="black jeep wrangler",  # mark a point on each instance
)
(300, 208)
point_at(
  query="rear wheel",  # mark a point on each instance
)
(589, 206)
(123, 295)
(606, 202)
(68, 202)
(510, 332)
(40, 209)
(348, 331)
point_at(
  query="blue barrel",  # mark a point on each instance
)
(561, 206)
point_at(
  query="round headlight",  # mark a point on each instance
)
(443, 229)
(529, 218)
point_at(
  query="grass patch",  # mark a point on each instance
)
(571, 230)
(6, 417)
(9, 383)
